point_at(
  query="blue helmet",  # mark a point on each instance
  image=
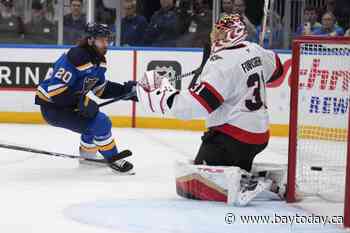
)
(97, 30)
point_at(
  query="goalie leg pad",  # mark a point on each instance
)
(200, 182)
(216, 183)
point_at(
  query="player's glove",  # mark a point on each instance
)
(130, 90)
(87, 107)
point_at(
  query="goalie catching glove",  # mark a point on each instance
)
(156, 93)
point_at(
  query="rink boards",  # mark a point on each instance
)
(22, 68)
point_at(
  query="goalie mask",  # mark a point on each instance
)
(228, 31)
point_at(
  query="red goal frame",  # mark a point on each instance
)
(293, 120)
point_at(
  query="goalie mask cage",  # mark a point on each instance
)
(318, 163)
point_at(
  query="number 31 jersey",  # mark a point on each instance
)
(232, 91)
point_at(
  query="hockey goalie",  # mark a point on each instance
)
(230, 94)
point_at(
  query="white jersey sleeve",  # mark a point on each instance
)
(231, 93)
(206, 96)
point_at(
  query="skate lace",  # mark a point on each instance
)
(120, 162)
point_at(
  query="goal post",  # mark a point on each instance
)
(319, 149)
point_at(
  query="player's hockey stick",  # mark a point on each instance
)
(125, 96)
(121, 155)
(181, 76)
(128, 95)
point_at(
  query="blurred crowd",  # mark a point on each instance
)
(161, 23)
(326, 21)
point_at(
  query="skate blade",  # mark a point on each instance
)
(128, 173)
(92, 163)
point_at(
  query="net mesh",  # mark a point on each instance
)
(323, 104)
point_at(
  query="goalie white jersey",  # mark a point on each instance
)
(231, 92)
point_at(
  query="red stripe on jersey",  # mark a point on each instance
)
(202, 102)
(214, 92)
(243, 135)
(207, 96)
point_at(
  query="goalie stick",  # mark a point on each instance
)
(122, 154)
(264, 22)
(196, 73)
(205, 57)
(181, 76)
(125, 96)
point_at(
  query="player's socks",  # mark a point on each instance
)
(88, 153)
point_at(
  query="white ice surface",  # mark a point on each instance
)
(41, 194)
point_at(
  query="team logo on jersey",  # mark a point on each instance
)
(167, 69)
(89, 83)
(215, 57)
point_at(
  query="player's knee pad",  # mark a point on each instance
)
(101, 125)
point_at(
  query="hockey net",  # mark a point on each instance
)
(319, 120)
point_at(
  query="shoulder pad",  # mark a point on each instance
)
(80, 58)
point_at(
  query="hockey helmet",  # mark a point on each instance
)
(97, 30)
(229, 31)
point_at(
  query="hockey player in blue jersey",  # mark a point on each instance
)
(64, 101)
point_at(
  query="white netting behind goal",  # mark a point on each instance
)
(322, 123)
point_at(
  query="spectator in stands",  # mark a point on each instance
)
(310, 22)
(197, 34)
(163, 28)
(329, 27)
(342, 13)
(201, 23)
(104, 15)
(133, 25)
(11, 25)
(184, 12)
(273, 32)
(40, 30)
(347, 33)
(74, 23)
(227, 7)
(330, 6)
(147, 7)
(239, 7)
